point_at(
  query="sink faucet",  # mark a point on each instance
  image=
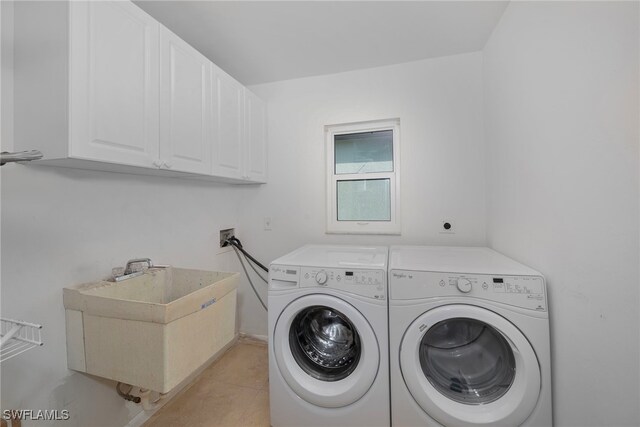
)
(127, 268)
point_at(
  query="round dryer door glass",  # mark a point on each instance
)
(324, 343)
(467, 360)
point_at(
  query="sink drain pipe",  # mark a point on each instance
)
(147, 404)
(127, 396)
(143, 399)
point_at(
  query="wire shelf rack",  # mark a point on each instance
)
(17, 337)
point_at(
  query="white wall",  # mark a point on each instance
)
(6, 83)
(561, 116)
(439, 103)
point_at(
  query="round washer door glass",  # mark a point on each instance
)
(467, 360)
(325, 343)
(326, 350)
(466, 365)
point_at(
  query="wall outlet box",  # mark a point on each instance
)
(447, 227)
(224, 235)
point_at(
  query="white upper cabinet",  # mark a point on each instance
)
(113, 83)
(228, 117)
(102, 85)
(240, 123)
(255, 137)
(185, 106)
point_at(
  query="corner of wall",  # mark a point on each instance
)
(6, 76)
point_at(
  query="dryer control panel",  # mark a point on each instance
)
(363, 282)
(522, 291)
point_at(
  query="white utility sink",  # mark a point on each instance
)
(153, 330)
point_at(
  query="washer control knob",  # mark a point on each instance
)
(464, 285)
(321, 277)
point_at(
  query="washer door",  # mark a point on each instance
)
(468, 366)
(326, 350)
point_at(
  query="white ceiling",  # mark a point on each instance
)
(264, 41)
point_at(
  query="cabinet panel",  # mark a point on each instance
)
(116, 91)
(228, 112)
(185, 106)
(255, 137)
(113, 83)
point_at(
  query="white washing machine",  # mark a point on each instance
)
(469, 336)
(328, 337)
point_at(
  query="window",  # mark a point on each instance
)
(363, 191)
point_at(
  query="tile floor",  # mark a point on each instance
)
(233, 391)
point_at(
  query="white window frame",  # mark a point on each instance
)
(363, 227)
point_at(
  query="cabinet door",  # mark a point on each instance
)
(255, 137)
(185, 106)
(228, 121)
(113, 83)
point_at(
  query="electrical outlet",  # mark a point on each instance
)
(447, 227)
(225, 235)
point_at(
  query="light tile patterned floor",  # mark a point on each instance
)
(233, 391)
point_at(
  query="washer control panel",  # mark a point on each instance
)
(369, 283)
(363, 282)
(522, 291)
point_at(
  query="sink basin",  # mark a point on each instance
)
(153, 330)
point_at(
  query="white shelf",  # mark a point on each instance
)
(17, 337)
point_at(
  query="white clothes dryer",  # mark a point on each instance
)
(469, 337)
(328, 337)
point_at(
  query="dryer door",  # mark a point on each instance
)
(326, 350)
(468, 366)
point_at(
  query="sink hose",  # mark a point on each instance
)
(236, 245)
(235, 242)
